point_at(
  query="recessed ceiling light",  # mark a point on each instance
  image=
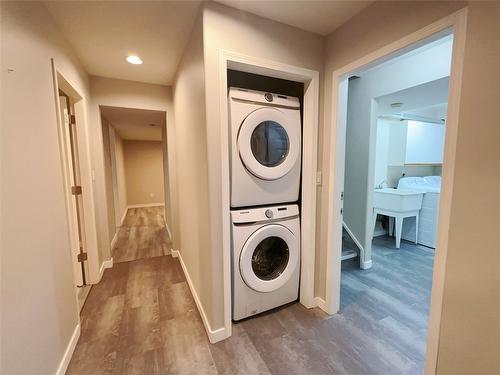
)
(136, 60)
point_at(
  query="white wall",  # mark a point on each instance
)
(382, 152)
(39, 311)
(426, 64)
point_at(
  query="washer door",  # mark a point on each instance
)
(269, 258)
(269, 145)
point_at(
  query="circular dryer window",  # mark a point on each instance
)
(269, 143)
(270, 258)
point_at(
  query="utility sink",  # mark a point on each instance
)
(398, 200)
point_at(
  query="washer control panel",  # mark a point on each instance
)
(253, 215)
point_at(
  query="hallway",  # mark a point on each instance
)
(142, 319)
(142, 235)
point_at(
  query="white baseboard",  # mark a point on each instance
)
(68, 353)
(321, 303)
(366, 265)
(106, 264)
(213, 335)
(145, 205)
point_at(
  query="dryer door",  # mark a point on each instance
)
(269, 143)
(269, 258)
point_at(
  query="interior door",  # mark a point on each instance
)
(75, 200)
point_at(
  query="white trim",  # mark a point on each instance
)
(105, 264)
(213, 335)
(124, 216)
(456, 21)
(251, 64)
(363, 263)
(146, 205)
(321, 303)
(353, 237)
(115, 238)
(84, 155)
(169, 233)
(68, 353)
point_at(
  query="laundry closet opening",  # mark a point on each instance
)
(265, 138)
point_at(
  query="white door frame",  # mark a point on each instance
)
(60, 82)
(310, 78)
(457, 23)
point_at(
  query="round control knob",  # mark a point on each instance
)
(268, 96)
(269, 214)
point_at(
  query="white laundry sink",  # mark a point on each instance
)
(397, 200)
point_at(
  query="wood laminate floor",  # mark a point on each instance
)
(141, 319)
(142, 235)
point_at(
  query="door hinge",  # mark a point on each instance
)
(82, 257)
(76, 190)
(342, 196)
(341, 211)
(72, 119)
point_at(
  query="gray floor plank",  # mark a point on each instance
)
(142, 319)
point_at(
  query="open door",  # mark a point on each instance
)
(75, 200)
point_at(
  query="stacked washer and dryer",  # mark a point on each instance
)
(265, 131)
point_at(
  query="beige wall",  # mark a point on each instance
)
(192, 175)
(229, 29)
(468, 341)
(39, 312)
(127, 94)
(144, 172)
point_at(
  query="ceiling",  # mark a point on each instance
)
(426, 100)
(103, 33)
(319, 17)
(135, 124)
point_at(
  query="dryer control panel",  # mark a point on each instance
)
(253, 215)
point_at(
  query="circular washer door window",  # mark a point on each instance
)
(269, 258)
(268, 143)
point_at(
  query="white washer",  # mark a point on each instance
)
(265, 148)
(265, 258)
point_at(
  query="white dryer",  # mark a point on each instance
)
(265, 148)
(265, 258)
